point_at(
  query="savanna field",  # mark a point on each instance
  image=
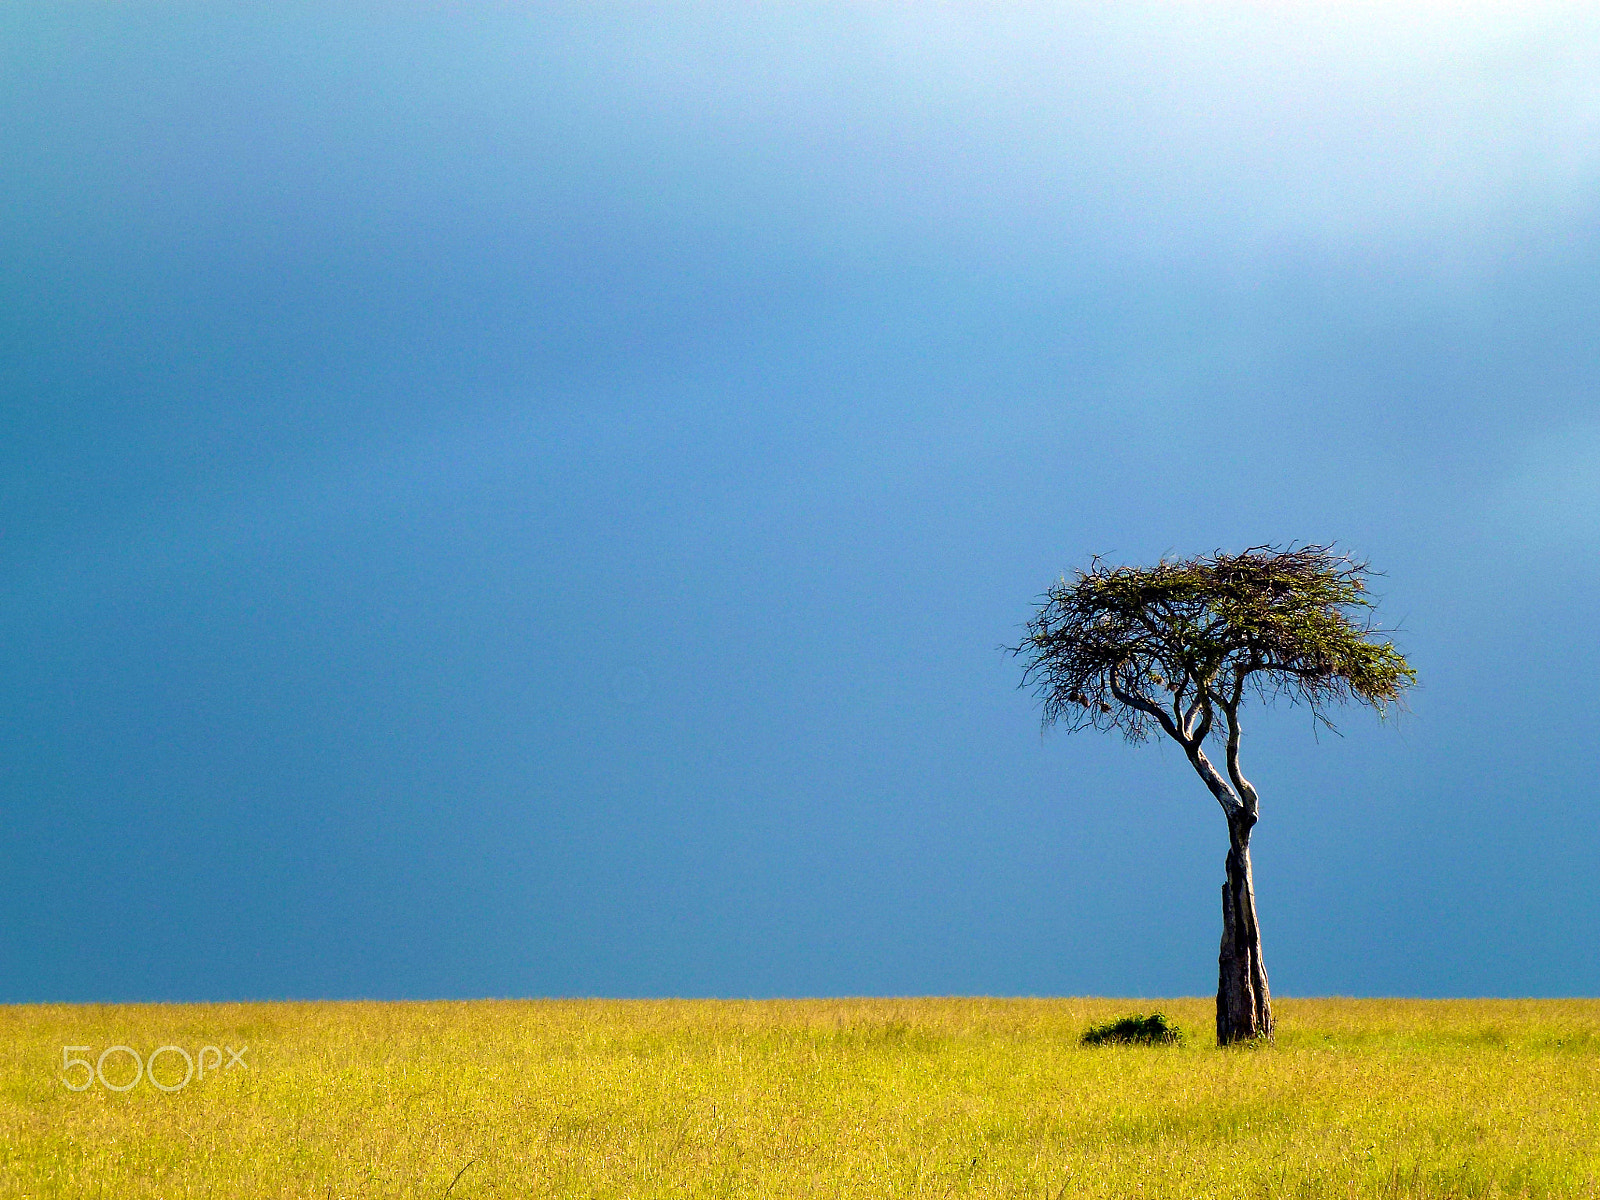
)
(850, 1098)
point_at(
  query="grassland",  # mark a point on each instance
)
(849, 1098)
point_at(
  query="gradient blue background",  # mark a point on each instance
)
(512, 501)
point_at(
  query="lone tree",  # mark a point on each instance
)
(1179, 647)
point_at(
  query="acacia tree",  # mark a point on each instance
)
(1180, 647)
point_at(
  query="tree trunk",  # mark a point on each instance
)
(1244, 1005)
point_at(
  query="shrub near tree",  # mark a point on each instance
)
(1180, 647)
(1137, 1030)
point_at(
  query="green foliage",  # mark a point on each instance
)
(1154, 1030)
(1170, 645)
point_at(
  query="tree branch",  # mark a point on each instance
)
(1147, 706)
(1198, 706)
(1250, 802)
(1231, 804)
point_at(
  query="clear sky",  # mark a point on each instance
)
(526, 501)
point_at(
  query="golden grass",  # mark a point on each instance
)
(846, 1098)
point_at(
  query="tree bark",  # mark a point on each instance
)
(1244, 1005)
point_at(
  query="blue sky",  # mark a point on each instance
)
(525, 501)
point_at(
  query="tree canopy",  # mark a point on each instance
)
(1177, 643)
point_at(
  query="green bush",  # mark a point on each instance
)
(1154, 1030)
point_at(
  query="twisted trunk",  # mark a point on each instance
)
(1244, 1005)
